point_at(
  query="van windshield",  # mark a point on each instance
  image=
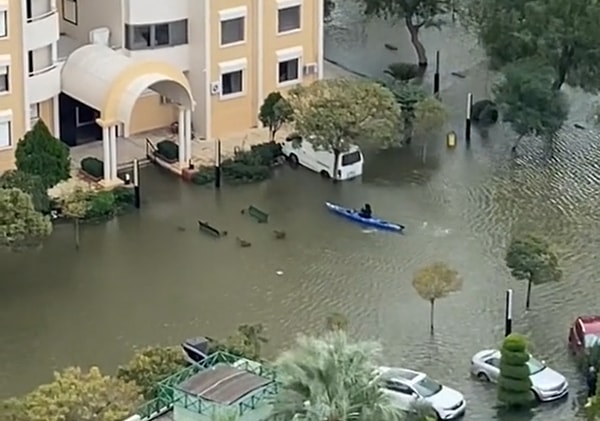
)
(350, 158)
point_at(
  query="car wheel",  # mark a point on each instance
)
(325, 174)
(483, 377)
(293, 159)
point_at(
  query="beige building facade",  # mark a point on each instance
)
(96, 71)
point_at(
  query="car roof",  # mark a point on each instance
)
(486, 353)
(591, 324)
(402, 374)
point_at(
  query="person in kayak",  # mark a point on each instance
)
(366, 211)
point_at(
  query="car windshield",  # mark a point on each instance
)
(535, 366)
(427, 387)
(350, 158)
(591, 340)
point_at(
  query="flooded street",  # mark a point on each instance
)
(151, 277)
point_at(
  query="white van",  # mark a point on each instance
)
(297, 151)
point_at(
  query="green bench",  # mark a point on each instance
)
(261, 216)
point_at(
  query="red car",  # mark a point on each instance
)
(584, 334)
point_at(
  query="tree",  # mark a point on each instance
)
(83, 396)
(514, 384)
(274, 113)
(151, 365)
(336, 321)
(76, 207)
(433, 282)
(416, 15)
(40, 153)
(333, 114)
(563, 35)
(331, 379)
(528, 102)
(531, 259)
(21, 226)
(245, 342)
(30, 184)
(328, 8)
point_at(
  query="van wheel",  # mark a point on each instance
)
(293, 160)
(483, 377)
(325, 174)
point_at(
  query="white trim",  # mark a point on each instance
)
(56, 116)
(6, 71)
(320, 39)
(6, 117)
(232, 14)
(260, 57)
(207, 71)
(289, 54)
(4, 16)
(5, 60)
(288, 4)
(231, 67)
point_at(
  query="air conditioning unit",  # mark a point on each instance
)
(215, 88)
(310, 69)
(100, 36)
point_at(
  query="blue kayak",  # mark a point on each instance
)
(353, 215)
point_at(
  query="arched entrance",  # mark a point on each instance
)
(111, 83)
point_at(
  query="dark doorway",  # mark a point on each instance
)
(78, 122)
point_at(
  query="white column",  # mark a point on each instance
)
(188, 135)
(56, 116)
(181, 137)
(113, 152)
(106, 147)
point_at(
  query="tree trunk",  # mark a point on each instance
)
(77, 243)
(514, 147)
(528, 300)
(564, 63)
(336, 159)
(431, 315)
(413, 30)
(272, 132)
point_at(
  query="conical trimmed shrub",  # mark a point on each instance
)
(514, 384)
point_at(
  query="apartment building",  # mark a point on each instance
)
(103, 69)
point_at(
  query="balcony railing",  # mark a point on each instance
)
(44, 15)
(43, 70)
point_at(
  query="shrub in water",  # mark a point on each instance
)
(241, 173)
(168, 150)
(514, 384)
(30, 184)
(267, 153)
(205, 175)
(93, 167)
(124, 197)
(403, 71)
(102, 205)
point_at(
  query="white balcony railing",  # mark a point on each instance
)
(42, 30)
(44, 84)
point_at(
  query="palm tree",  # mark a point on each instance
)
(331, 379)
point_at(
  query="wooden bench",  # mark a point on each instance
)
(261, 216)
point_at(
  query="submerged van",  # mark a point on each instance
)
(300, 152)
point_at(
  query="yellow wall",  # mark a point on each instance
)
(232, 115)
(149, 114)
(47, 114)
(15, 100)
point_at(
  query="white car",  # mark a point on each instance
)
(407, 388)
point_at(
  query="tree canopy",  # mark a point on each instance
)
(274, 113)
(21, 226)
(149, 366)
(436, 281)
(30, 184)
(330, 379)
(528, 102)
(562, 34)
(334, 113)
(76, 395)
(42, 154)
(514, 383)
(416, 14)
(245, 342)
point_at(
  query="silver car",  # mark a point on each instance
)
(546, 384)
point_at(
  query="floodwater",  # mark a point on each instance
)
(151, 277)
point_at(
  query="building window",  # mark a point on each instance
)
(40, 60)
(289, 18)
(143, 37)
(5, 135)
(232, 83)
(34, 113)
(70, 11)
(289, 66)
(38, 8)
(3, 23)
(4, 79)
(233, 26)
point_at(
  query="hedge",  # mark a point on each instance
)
(168, 150)
(93, 167)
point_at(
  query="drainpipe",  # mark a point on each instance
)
(320, 37)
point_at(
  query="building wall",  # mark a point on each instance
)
(47, 114)
(92, 15)
(198, 76)
(150, 114)
(12, 104)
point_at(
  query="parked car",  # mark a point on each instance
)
(407, 388)
(546, 384)
(301, 152)
(584, 333)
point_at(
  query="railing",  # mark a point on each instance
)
(42, 16)
(154, 408)
(44, 70)
(150, 149)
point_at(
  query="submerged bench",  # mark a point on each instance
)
(209, 229)
(261, 216)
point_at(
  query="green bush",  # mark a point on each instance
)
(237, 172)
(204, 176)
(102, 205)
(267, 153)
(93, 167)
(514, 384)
(124, 198)
(30, 184)
(168, 150)
(403, 71)
(39, 153)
